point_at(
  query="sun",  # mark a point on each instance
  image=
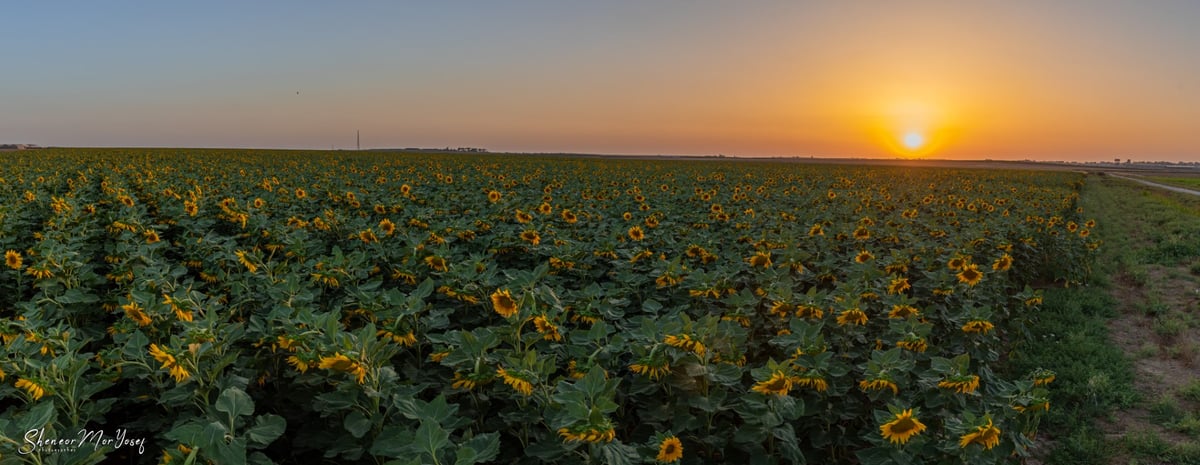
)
(913, 140)
(911, 127)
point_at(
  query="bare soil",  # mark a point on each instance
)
(1176, 360)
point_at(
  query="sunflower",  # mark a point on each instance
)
(970, 275)
(956, 263)
(899, 285)
(592, 435)
(190, 208)
(342, 363)
(986, 435)
(760, 259)
(902, 427)
(531, 237)
(519, 384)
(241, 257)
(503, 303)
(813, 381)
(34, 389)
(914, 344)
(862, 234)
(387, 227)
(1043, 377)
(471, 381)
(169, 362)
(669, 450)
(668, 279)
(648, 368)
(960, 384)
(42, 272)
(13, 259)
(978, 326)
(493, 196)
(298, 363)
(636, 233)
(778, 384)
(569, 217)
(325, 277)
(437, 263)
(627, 216)
(809, 311)
(548, 330)
(135, 313)
(545, 208)
(523, 217)
(852, 316)
(816, 230)
(408, 339)
(782, 309)
(863, 257)
(685, 342)
(903, 311)
(878, 384)
(1003, 263)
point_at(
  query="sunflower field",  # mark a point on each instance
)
(239, 306)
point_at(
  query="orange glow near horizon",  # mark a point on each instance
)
(912, 129)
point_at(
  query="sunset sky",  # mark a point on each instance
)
(1065, 80)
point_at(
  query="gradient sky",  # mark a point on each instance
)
(1078, 80)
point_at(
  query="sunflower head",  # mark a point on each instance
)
(760, 260)
(13, 259)
(853, 316)
(861, 233)
(636, 233)
(531, 237)
(1003, 263)
(437, 263)
(387, 227)
(670, 449)
(986, 435)
(970, 275)
(503, 303)
(902, 427)
(778, 384)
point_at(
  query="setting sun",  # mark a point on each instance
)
(914, 140)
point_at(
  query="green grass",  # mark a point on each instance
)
(1166, 410)
(1139, 226)
(1190, 183)
(1094, 378)
(1191, 390)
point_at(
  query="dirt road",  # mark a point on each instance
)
(1160, 186)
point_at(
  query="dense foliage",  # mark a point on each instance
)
(255, 306)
